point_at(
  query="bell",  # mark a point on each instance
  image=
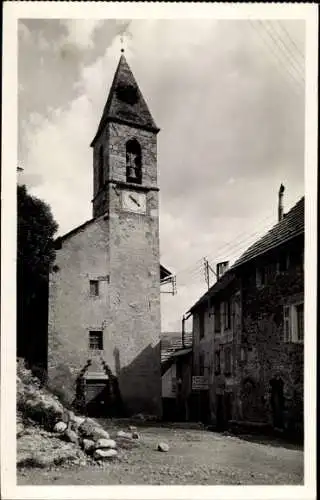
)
(132, 172)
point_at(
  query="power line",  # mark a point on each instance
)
(198, 264)
(244, 238)
(285, 51)
(293, 43)
(282, 67)
(235, 243)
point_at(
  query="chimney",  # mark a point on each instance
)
(280, 203)
(222, 268)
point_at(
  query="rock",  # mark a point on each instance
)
(88, 445)
(105, 443)
(60, 427)
(163, 447)
(91, 430)
(132, 428)
(123, 434)
(71, 436)
(135, 435)
(104, 454)
(20, 429)
(75, 421)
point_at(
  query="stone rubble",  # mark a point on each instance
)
(49, 435)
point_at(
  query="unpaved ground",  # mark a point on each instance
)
(195, 457)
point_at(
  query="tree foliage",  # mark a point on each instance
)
(36, 230)
(35, 257)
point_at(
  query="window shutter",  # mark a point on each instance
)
(286, 324)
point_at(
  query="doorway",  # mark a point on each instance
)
(97, 397)
(277, 402)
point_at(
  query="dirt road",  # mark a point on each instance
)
(195, 457)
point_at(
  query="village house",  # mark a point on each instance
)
(176, 362)
(101, 350)
(248, 333)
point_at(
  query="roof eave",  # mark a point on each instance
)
(114, 119)
(249, 259)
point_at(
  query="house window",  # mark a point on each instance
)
(201, 324)
(227, 361)
(227, 315)
(261, 277)
(293, 323)
(94, 288)
(283, 262)
(299, 309)
(96, 341)
(217, 318)
(217, 366)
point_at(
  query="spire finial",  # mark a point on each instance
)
(121, 40)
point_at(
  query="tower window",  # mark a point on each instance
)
(94, 288)
(101, 167)
(95, 341)
(133, 162)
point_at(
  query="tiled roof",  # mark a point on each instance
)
(125, 102)
(171, 342)
(290, 226)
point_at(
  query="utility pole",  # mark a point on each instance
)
(207, 269)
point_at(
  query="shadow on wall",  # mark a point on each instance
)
(140, 382)
(117, 364)
(135, 388)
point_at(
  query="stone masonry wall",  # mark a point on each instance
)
(265, 355)
(123, 247)
(135, 279)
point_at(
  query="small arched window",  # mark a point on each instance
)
(100, 168)
(133, 162)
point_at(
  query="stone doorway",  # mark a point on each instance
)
(97, 397)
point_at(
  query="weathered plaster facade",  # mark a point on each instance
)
(118, 250)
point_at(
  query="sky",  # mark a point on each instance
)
(228, 96)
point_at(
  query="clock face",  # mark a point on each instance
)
(134, 202)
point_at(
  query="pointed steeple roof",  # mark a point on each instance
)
(125, 102)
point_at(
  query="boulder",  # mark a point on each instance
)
(60, 427)
(105, 443)
(75, 421)
(91, 430)
(88, 445)
(71, 436)
(104, 454)
(123, 434)
(132, 428)
(163, 447)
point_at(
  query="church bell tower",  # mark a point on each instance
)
(125, 195)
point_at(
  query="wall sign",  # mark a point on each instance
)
(199, 383)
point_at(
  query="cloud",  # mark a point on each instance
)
(232, 129)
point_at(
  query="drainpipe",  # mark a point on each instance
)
(184, 319)
(280, 203)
